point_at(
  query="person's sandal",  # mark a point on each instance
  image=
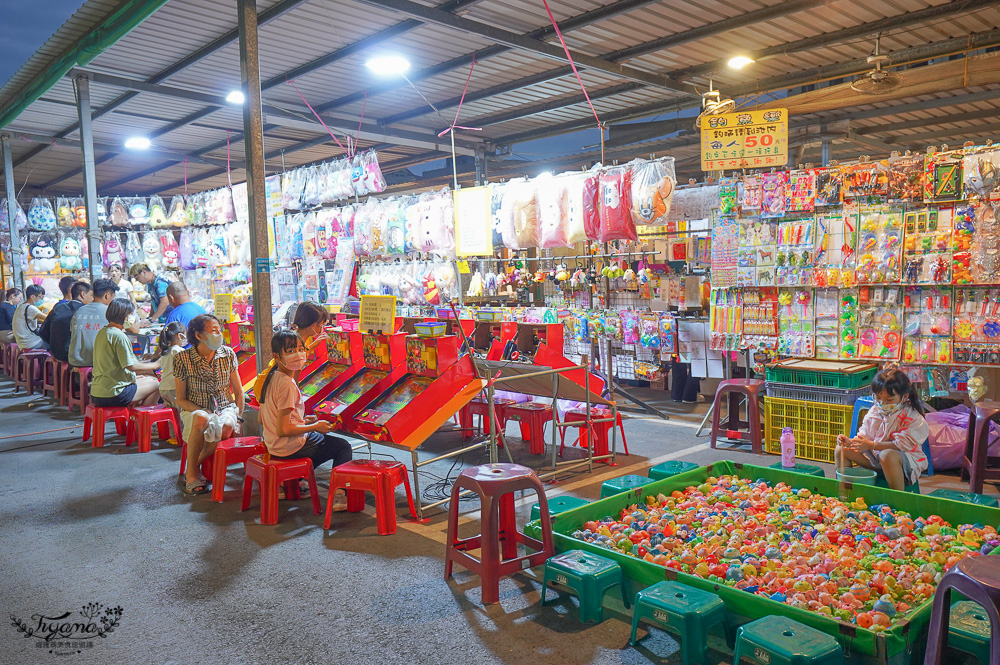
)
(196, 487)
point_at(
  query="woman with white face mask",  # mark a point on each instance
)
(209, 394)
(288, 432)
(119, 379)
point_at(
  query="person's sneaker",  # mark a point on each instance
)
(339, 501)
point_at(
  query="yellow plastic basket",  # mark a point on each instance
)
(815, 425)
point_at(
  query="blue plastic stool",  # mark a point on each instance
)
(623, 484)
(863, 404)
(672, 468)
(589, 575)
(778, 640)
(969, 630)
(686, 612)
(807, 469)
(966, 497)
(558, 504)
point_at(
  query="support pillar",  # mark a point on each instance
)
(253, 142)
(94, 233)
(15, 236)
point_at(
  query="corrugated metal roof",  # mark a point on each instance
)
(316, 28)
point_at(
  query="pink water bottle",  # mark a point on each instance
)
(787, 448)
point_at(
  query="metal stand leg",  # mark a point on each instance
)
(416, 485)
(704, 421)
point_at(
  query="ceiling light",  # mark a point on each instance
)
(389, 65)
(137, 143)
(235, 97)
(740, 61)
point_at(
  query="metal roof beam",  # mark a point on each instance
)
(195, 56)
(530, 45)
(701, 32)
(910, 55)
(573, 23)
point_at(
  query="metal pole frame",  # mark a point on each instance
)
(253, 137)
(16, 251)
(94, 233)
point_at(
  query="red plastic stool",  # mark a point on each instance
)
(98, 417)
(52, 376)
(480, 407)
(977, 465)
(269, 474)
(78, 390)
(227, 453)
(28, 372)
(978, 579)
(379, 477)
(732, 428)
(496, 484)
(141, 421)
(601, 431)
(531, 417)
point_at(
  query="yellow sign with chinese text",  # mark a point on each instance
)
(224, 307)
(378, 314)
(745, 139)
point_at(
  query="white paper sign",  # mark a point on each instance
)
(473, 227)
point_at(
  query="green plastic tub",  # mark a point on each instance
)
(899, 646)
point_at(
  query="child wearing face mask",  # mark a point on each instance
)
(308, 322)
(288, 432)
(173, 339)
(891, 436)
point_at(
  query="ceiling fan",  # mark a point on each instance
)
(878, 81)
(713, 104)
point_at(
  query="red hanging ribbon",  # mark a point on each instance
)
(346, 151)
(572, 64)
(185, 176)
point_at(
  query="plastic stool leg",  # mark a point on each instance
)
(489, 573)
(269, 498)
(247, 489)
(355, 500)
(219, 470)
(87, 425)
(635, 626)
(385, 507)
(99, 424)
(409, 494)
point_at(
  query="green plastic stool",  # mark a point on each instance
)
(969, 630)
(778, 640)
(683, 610)
(623, 484)
(880, 482)
(589, 575)
(558, 504)
(808, 469)
(966, 497)
(672, 468)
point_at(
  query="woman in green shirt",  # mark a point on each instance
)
(119, 379)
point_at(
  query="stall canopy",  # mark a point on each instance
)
(163, 69)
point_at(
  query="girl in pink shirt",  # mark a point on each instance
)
(892, 434)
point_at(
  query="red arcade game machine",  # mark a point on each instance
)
(344, 359)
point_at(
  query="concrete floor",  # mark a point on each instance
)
(201, 582)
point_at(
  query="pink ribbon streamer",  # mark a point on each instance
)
(459, 109)
(572, 64)
(346, 151)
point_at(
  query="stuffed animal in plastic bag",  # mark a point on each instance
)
(85, 252)
(70, 256)
(133, 248)
(202, 248)
(186, 249)
(616, 217)
(102, 212)
(112, 251)
(19, 216)
(80, 213)
(152, 250)
(592, 204)
(525, 214)
(218, 250)
(652, 190)
(44, 254)
(138, 212)
(157, 213)
(407, 288)
(170, 251)
(379, 220)
(309, 236)
(374, 181)
(552, 201)
(395, 227)
(119, 213)
(178, 216)
(358, 176)
(64, 212)
(413, 236)
(239, 244)
(225, 207)
(41, 216)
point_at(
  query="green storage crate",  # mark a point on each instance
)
(897, 646)
(816, 426)
(811, 373)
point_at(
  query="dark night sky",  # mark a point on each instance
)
(25, 26)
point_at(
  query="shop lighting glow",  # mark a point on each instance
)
(389, 65)
(235, 97)
(137, 143)
(740, 61)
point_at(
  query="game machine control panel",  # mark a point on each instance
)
(246, 352)
(439, 380)
(383, 359)
(344, 359)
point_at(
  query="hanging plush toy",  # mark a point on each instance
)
(112, 251)
(84, 252)
(186, 249)
(138, 212)
(170, 251)
(152, 251)
(70, 254)
(79, 213)
(119, 213)
(41, 216)
(218, 250)
(157, 214)
(64, 212)
(133, 248)
(177, 216)
(477, 286)
(102, 213)
(20, 217)
(44, 257)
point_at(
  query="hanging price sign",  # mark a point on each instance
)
(746, 139)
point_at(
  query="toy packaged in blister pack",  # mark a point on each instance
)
(880, 241)
(797, 334)
(976, 325)
(827, 312)
(630, 327)
(927, 246)
(927, 325)
(760, 318)
(880, 315)
(794, 261)
(668, 335)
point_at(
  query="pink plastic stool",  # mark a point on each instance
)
(379, 477)
(29, 368)
(733, 427)
(97, 417)
(978, 579)
(78, 388)
(52, 377)
(269, 474)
